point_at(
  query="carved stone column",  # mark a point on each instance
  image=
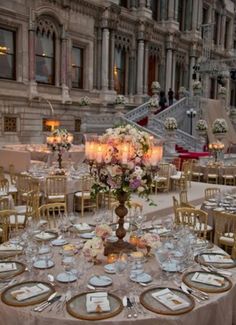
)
(132, 73)
(145, 88)
(105, 58)
(33, 92)
(171, 7)
(176, 9)
(222, 31)
(195, 14)
(112, 58)
(64, 64)
(169, 58)
(173, 70)
(99, 58)
(140, 67)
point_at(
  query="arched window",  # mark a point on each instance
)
(7, 54)
(45, 52)
(119, 70)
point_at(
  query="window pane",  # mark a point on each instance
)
(7, 69)
(45, 45)
(119, 72)
(7, 41)
(77, 67)
(77, 77)
(44, 70)
(76, 57)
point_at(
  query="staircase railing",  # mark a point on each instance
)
(174, 110)
(138, 113)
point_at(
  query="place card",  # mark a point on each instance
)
(223, 259)
(208, 278)
(28, 292)
(7, 267)
(170, 299)
(97, 302)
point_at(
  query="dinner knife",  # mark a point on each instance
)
(45, 302)
(49, 303)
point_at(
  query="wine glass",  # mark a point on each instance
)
(121, 265)
(139, 221)
(45, 254)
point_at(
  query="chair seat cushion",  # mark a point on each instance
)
(21, 209)
(201, 227)
(212, 175)
(228, 176)
(56, 197)
(12, 189)
(197, 174)
(20, 219)
(161, 179)
(227, 239)
(85, 194)
(176, 176)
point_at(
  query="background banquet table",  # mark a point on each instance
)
(219, 310)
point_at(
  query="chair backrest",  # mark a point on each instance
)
(12, 174)
(32, 204)
(23, 183)
(225, 225)
(52, 213)
(177, 163)
(4, 186)
(56, 185)
(183, 197)
(196, 219)
(5, 223)
(87, 182)
(164, 170)
(4, 203)
(211, 192)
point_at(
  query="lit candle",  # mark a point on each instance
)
(111, 258)
(125, 153)
(133, 239)
(99, 153)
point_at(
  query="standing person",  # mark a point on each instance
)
(170, 96)
(162, 100)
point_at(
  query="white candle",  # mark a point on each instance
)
(99, 154)
(125, 154)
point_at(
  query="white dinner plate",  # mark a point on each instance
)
(59, 242)
(42, 264)
(110, 268)
(66, 277)
(142, 277)
(100, 280)
(87, 235)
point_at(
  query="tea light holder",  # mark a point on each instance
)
(111, 258)
(133, 239)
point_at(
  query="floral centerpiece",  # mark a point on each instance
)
(103, 231)
(201, 125)
(153, 102)
(92, 248)
(219, 126)
(222, 90)
(122, 161)
(120, 100)
(149, 241)
(197, 85)
(84, 101)
(170, 124)
(60, 140)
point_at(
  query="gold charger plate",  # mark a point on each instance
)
(20, 268)
(206, 287)
(76, 307)
(199, 259)
(155, 306)
(8, 299)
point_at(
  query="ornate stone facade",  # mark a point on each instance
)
(152, 40)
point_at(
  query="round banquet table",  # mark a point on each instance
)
(220, 309)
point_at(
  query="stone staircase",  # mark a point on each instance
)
(155, 123)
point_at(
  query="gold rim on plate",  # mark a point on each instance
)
(158, 308)
(206, 287)
(199, 259)
(81, 300)
(9, 300)
(10, 274)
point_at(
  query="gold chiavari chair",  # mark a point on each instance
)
(55, 189)
(179, 181)
(211, 192)
(183, 199)
(23, 185)
(225, 231)
(4, 187)
(197, 174)
(2, 172)
(13, 179)
(83, 197)
(162, 179)
(196, 219)
(4, 203)
(212, 174)
(228, 175)
(5, 224)
(107, 200)
(177, 163)
(175, 206)
(51, 212)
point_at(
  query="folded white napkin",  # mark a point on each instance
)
(44, 235)
(28, 292)
(170, 299)
(223, 259)
(100, 280)
(10, 247)
(82, 226)
(97, 302)
(210, 279)
(5, 267)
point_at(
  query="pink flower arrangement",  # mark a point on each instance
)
(93, 247)
(149, 240)
(103, 231)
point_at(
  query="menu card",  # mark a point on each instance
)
(97, 302)
(28, 292)
(223, 259)
(208, 278)
(170, 299)
(6, 267)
